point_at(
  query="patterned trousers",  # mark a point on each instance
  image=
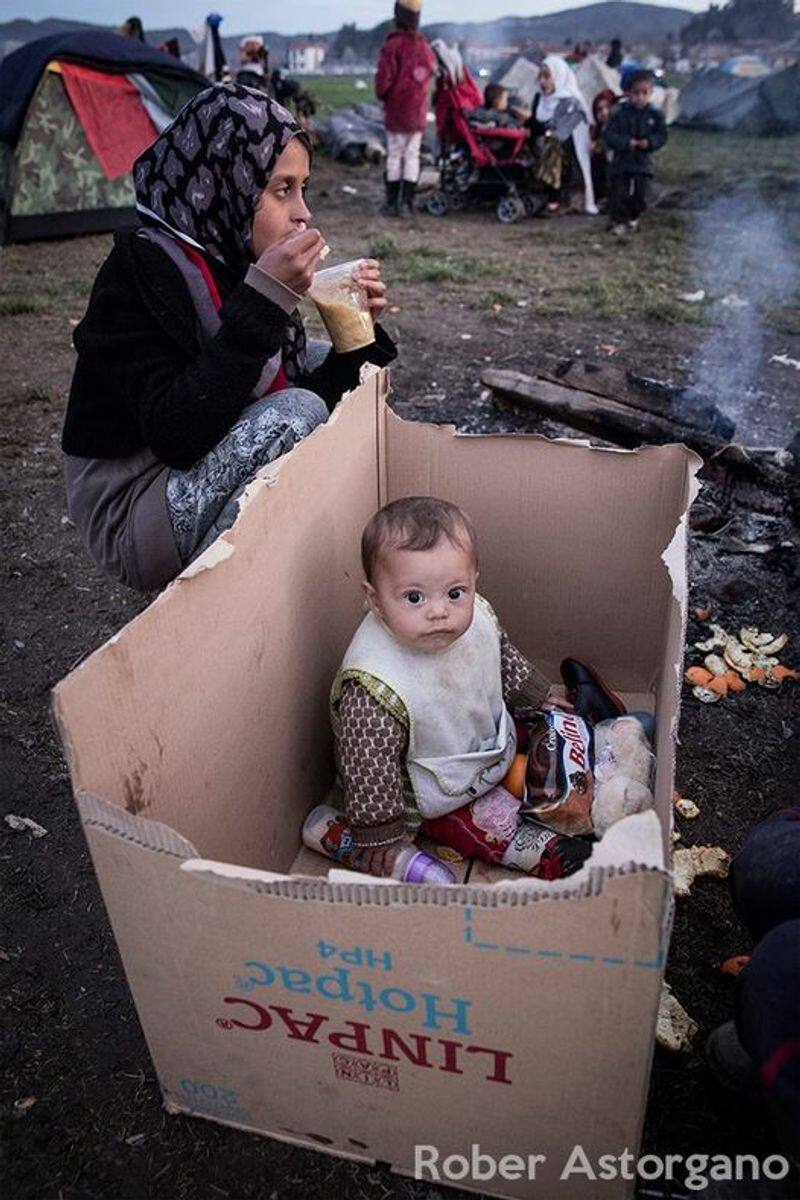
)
(203, 501)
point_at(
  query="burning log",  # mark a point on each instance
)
(603, 418)
(681, 405)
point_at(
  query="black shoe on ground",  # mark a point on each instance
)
(407, 194)
(587, 693)
(391, 206)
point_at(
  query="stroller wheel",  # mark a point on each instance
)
(510, 209)
(437, 204)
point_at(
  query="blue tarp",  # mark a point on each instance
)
(20, 72)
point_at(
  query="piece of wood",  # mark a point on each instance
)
(606, 380)
(601, 417)
(638, 391)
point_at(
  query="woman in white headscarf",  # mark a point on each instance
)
(560, 109)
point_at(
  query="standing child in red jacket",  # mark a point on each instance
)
(405, 67)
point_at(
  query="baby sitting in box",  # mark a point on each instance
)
(420, 704)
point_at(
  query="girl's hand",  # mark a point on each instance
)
(378, 860)
(369, 277)
(293, 259)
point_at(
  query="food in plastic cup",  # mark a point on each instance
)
(342, 304)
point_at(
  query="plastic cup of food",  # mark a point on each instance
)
(343, 306)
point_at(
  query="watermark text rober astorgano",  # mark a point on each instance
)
(693, 1171)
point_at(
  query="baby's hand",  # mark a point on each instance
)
(369, 277)
(378, 860)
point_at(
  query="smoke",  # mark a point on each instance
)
(745, 258)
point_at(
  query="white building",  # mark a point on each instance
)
(305, 57)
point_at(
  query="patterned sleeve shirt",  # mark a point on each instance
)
(371, 746)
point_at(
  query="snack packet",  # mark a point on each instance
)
(559, 784)
(343, 306)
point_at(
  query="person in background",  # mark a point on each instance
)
(496, 109)
(601, 110)
(758, 1053)
(254, 58)
(133, 28)
(406, 65)
(497, 113)
(561, 118)
(635, 131)
(193, 368)
(614, 54)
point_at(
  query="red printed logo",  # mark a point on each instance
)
(361, 1070)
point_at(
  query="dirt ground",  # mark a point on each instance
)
(81, 1109)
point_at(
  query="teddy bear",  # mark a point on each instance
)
(623, 767)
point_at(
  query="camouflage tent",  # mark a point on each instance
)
(73, 120)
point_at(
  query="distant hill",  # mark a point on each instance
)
(633, 22)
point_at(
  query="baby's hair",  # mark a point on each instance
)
(414, 523)
(492, 93)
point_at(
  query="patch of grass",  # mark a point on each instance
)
(337, 91)
(669, 310)
(783, 319)
(425, 264)
(18, 306)
(383, 246)
(639, 279)
(715, 161)
(496, 296)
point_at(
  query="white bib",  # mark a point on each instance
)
(461, 739)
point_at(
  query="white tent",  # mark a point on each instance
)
(594, 76)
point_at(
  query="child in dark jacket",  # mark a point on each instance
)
(635, 130)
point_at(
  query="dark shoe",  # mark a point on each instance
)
(391, 206)
(587, 693)
(407, 194)
(730, 1063)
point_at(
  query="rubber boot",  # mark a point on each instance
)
(391, 206)
(408, 193)
(588, 694)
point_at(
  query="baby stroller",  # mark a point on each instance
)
(478, 164)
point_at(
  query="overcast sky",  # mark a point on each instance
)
(300, 17)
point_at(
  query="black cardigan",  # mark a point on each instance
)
(626, 122)
(144, 380)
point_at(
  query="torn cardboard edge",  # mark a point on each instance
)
(632, 845)
(192, 720)
(269, 476)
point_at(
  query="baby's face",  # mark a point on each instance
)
(426, 597)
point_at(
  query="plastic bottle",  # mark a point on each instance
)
(326, 830)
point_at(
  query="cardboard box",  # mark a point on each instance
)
(364, 1018)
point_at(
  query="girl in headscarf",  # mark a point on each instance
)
(601, 110)
(561, 115)
(193, 368)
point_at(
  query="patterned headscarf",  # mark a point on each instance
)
(201, 180)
